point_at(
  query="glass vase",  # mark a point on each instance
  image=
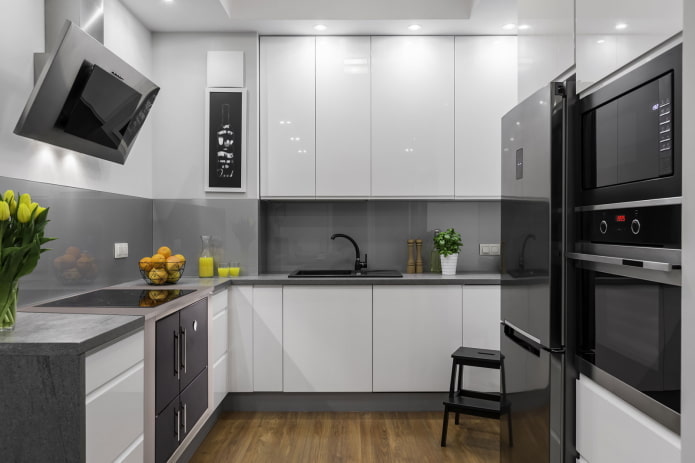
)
(8, 304)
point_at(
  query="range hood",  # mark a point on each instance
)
(87, 99)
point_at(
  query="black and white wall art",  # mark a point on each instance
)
(225, 140)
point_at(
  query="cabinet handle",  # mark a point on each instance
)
(185, 419)
(177, 355)
(184, 341)
(178, 425)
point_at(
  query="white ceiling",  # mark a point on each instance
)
(342, 17)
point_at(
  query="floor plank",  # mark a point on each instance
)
(358, 437)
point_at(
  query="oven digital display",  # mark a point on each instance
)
(620, 218)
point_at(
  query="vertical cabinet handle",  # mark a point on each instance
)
(177, 355)
(178, 425)
(185, 419)
(184, 342)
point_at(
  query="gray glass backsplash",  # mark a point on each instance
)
(89, 222)
(296, 234)
(233, 224)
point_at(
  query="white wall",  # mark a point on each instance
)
(21, 35)
(179, 123)
(688, 258)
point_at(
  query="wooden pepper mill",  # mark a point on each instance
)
(411, 259)
(418, 258)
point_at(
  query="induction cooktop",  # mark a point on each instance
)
(120, 298)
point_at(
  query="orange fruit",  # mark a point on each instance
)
(73, 250)
(145, 264)
(174, 264)
(165, 251)
(158, 261)
(180, 256)
(174, 277)
(158, 276)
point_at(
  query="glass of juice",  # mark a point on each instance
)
(223, 269)
(234, 269)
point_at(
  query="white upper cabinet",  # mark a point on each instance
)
(611, 34)
(413, 116)
(287, 95)
(546, 42)
(343, 123)
(482, 62)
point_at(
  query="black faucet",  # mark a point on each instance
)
(522, 262)
(359, 265)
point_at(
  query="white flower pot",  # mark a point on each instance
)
(449, 264)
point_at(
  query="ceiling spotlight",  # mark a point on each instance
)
(509, 27)
(523, 27)
(415, 27)
(168, 1)
(599, 41)
(621, 26)
(320, 27)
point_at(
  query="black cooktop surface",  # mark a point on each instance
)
(120, 298)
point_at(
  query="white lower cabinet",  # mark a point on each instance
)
(327, 338)
(481, 329)
(115, 397)
(240, 351)
(416, 328)
(267, 338)
(609, 430)
(219, 345)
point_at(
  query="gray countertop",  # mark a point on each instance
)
(64, 334)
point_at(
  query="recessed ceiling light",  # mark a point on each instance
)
(509, 26)
(599, 41)
(621, 26)
(415, 27)
(523, 27)
(168, 1)
(320, 27)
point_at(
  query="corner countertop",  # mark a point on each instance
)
(64, 334)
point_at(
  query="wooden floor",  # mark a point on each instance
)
(313, 437)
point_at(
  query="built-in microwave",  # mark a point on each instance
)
(630, 135)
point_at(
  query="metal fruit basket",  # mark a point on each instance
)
(163, 274)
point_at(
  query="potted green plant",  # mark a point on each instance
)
(448, 243)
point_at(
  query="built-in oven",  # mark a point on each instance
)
(630, 135)
(628, 260)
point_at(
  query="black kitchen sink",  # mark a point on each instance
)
(330, 273)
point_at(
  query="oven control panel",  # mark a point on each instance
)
(658, 226)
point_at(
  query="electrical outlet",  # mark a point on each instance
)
(120, 250)
(490, 249)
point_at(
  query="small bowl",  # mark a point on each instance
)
(158, 278)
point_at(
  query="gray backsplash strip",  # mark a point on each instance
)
(233, 224)
(91, 221)
(296, 234)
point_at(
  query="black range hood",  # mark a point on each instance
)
(87, 99)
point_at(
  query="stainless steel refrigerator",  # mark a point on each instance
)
(537, 416)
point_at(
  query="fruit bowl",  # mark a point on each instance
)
(162, 274)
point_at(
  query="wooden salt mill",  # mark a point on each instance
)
(411, 259)
(418, 259)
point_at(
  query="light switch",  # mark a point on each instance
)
(490, 249)
(120, 250)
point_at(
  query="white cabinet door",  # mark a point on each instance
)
(546, 44)
(240, 351)
(485, 91)
(287, 99)
(416, 329)
(603, 47)
(327, 338)
(609, 430)
(481, 328)
(343, 119)
(115, 400)
(413, 116)
(219, 345)
(267, 338)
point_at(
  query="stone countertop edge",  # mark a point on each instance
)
(53, 334)
(470, 278)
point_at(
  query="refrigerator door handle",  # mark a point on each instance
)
(511, 333)
(647, 264)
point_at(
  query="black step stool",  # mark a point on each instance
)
(474, 403)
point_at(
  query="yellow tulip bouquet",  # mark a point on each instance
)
(22, 224)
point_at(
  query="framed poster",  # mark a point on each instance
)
(225, 139)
